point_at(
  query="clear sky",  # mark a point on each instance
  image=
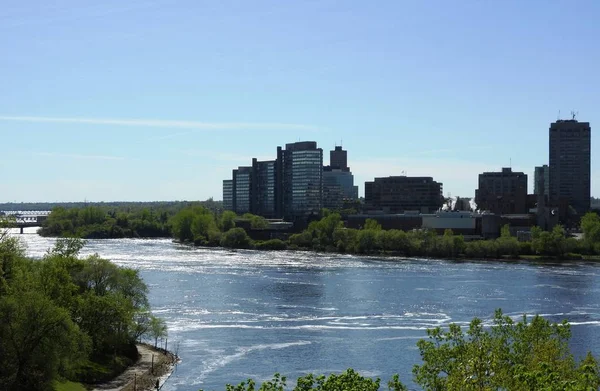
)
(159, 100)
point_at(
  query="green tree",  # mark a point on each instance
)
(590, 225)
(236, 238)
(372, 224)
(182, 225)
(37, 339)
(158, 329)
(527, 355)
(227, 221)
(202, 224)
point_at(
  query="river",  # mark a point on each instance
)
(247, 314)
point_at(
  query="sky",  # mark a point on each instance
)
(160, 100)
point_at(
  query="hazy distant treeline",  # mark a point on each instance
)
(121, 205)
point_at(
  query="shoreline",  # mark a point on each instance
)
(154, 364)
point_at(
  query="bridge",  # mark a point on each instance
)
(24, 219)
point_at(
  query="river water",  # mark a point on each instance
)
(234, 315)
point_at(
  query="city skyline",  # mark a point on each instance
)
(158, 101)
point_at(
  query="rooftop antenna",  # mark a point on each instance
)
(573, 114)
(510, 162)
(341, 142)
(558, 118)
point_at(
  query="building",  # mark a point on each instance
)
(397, 194)
(570, 151)
(338, 181)
(300, 166)
(542, 172)
(503, 192)
(264, 188)
(338, 186)
(242, 190)
(338, 159)
(228, 194)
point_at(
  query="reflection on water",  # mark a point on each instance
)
(240, 314)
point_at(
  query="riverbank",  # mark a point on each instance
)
(153, 365)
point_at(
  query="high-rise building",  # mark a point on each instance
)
(242, 190)
(338, 181)
(570, 151)
(503, 192)
(338, 159)
(228, 194)
(301, 187)
(264, 187)
(398, 194)
(542, 172)
(338, 185)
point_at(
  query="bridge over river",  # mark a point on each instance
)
(24, 219)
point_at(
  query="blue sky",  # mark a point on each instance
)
(159, 100)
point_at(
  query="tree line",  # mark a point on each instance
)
(201, 227)
(117, 219)
(199, 224)
(68, 318)
(527, 355)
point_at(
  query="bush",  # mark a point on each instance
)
(236, 238)
(273, 244)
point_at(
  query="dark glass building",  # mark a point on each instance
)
(541, 172)
(228, 194)
(570, 151)
(338, 181)
(301, 187)
(264, 187)
(242, 179)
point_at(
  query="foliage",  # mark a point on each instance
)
(158, 329)
(235, 238)
(531, 354)
(227, 221)
(100, 222)
(256, 222)
(65, 317)
(527, 355)
(272, 244)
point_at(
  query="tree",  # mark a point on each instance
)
(68, 247)
(590, 225)
(236, 238)
(372, 224)
(158, 329)
(202, 224)
(527, 355)
(37, 338)
(182, 225)
(227, 221)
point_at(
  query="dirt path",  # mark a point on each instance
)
(140, 372)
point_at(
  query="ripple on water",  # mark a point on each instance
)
(237, 313)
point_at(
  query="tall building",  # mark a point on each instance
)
(503, 192)
(242, 190)
(264, 187)
(570, 151)
(398, 194)
(541, 172)
(338, 181)
(301, 187)
(338, 159)
(228, 194)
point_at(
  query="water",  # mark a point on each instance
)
(241, 314)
